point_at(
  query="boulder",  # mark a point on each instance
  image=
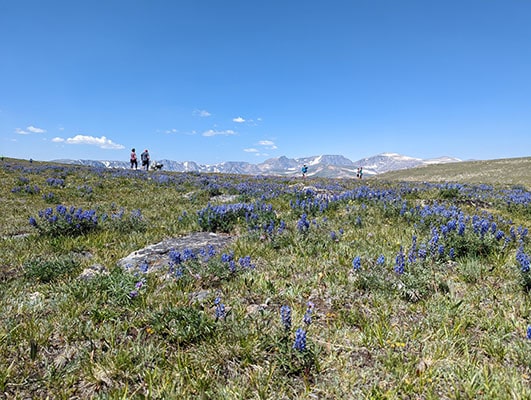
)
(157, 255)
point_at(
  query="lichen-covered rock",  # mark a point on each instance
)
(93, 271)
(157, 255)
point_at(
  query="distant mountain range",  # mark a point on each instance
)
(332, 166)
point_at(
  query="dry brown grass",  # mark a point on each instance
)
(509, 171)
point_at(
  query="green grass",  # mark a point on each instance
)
(510, 171)
(447, 327)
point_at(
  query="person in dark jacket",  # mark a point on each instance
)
(144, 157)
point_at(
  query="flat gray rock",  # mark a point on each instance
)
(157, 255)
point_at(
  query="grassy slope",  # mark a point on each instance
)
(451, 329)
(511, 171)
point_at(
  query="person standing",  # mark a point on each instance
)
(145, 159)
(304, 170)
(361, 172)
(134, 162)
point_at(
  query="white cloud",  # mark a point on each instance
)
(212, 132)
(268, 144)
(178, 132)
(202, 113)
(58, 140)
(29, 130)
(101, 142)
(251, 150)
(238, 120)
(34, 129)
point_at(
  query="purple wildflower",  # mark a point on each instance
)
(300, 340)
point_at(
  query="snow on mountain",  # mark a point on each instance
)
(442, 160)
(387, 162)
(334, 166)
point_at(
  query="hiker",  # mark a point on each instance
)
(134, 162)
(304, 170)
(361, 173)
(358, 173)
(145, 159)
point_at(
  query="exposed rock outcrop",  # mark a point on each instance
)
(157, 255)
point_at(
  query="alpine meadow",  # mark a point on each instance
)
(410, 285)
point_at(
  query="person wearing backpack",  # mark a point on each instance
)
(304, 170)
(144, 157)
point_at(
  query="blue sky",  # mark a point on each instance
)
(213, 81)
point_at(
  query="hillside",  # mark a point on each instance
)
(510, 171)
(123, 284)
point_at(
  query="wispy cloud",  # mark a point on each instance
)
(239, 120)
(178, 132)
(201, 113)
(251, 150)
(212, 132)
(101, 142)
(30, 129)
(34, 129)
(268, 144)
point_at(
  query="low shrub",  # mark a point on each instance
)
(48, 270)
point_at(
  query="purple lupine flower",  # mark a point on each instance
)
(188, 254)
(522, 259)
(356, 263)
(422, 253)
(400, 262)
(144, 267)
(245, 262)
(300, 340)
(227, 257)
(285, 316)
(175, 257)
(220, 308)
(461, 228)
(380, 260)
(303, 224)
(281, 227)
(232, 266)
(528, 332)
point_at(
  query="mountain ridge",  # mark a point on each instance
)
(326, 165)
